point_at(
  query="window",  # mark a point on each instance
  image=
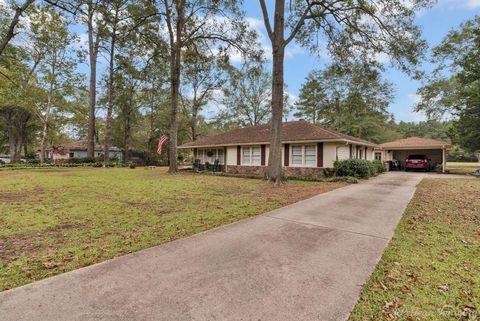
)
(246, 157)
(251, 155)
(256, 155)
(378, 156)
(220, 156)
(304, 155)
(310, 155)
(71, 155)
(297, 158)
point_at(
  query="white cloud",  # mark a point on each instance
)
(473, 4)
(410, 116)
(459, 4)
(414, 98)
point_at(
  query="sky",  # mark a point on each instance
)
(435, 23)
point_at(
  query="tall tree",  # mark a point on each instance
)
(202, 76)
(50, 35)
(218, 25)
(454, 86)
(123, 18)
(19, 96)
(113, 19)
(349, 29)
(351, 98)
(247, 95)
(96, 33)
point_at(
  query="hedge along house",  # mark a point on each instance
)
(435, 150)
(307, 149)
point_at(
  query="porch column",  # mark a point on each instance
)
(224, 159)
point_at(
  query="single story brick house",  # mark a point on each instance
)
(307, 149)
(79, 150)
(435, 150)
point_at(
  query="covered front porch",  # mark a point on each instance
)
(209, 159)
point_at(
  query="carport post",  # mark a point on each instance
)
(444, 159)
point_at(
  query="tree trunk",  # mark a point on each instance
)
(193, 123)
(93, 53)
(13, 24)
(25, 148)
(274, 171)
(12, 146)
(43, 144)
(108, 121)
(126, 140)
(16, 121)
(175, 69)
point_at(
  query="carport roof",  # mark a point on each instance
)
(415, 142)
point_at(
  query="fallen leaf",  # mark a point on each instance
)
(443, 288)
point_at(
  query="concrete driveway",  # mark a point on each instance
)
(306, 261)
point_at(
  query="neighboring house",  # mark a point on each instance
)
(306, 149)
(78, 150)
(435, 150)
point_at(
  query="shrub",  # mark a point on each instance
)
(328, 172)
(379, 166)
(132, 165)
(359, 168)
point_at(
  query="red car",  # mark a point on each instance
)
(417, 162)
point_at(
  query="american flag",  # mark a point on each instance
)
(161, 141)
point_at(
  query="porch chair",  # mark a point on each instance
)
(196, 165)
(216, 166)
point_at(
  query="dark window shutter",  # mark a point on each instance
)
(262, 157)
(239, 154)
(286, 154)
(351, 151)
(320, 155)
(195, 151)
(366, 148)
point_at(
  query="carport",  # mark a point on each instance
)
(436, 150)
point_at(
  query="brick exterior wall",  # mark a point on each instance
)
(300, 172)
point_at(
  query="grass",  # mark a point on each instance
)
(462, 168)
(57, 220)
(462, 164)
(431, 268)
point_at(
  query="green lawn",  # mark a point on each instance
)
(57, 220)
(431, 268)
(462, 168)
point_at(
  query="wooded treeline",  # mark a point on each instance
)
(120, 72)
